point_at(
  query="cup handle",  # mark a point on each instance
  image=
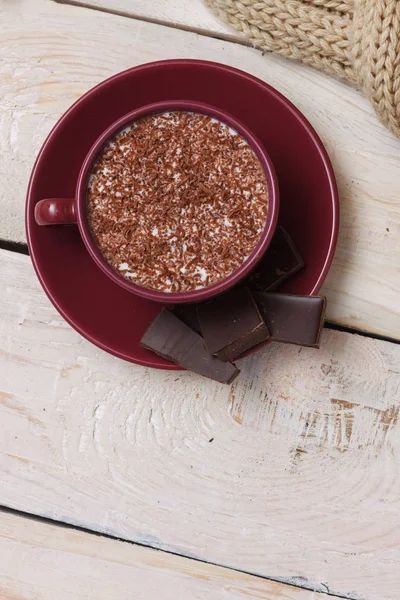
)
(55, 211)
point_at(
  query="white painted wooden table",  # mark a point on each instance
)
(297, 496)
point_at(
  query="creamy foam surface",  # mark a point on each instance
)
(177, 201)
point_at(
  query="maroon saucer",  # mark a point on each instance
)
(106, 314)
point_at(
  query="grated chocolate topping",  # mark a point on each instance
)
(177, 201)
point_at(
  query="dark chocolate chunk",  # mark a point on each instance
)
(281, 261)
(293, 319)
(188, 314)
(231, 324)
(170, 338)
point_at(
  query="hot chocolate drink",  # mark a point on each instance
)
(177, 201)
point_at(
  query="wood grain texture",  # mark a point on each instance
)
(52, 53)
(44, 562)
(192, 15)
(291, 473)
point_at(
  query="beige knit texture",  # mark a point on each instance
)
(355, 39)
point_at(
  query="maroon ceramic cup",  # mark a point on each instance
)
(67, 211)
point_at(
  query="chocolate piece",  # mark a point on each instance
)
(293, 319)
(231, 324)
(188, 314)
(170, 338)
(281, 261)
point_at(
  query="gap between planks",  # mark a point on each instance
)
(218, 30)
(54, 530)
(21, 248)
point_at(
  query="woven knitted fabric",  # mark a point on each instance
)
(355, 39)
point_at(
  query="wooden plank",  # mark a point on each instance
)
(46, 67)
(291, 473)
(40, 560)
(192, 15)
